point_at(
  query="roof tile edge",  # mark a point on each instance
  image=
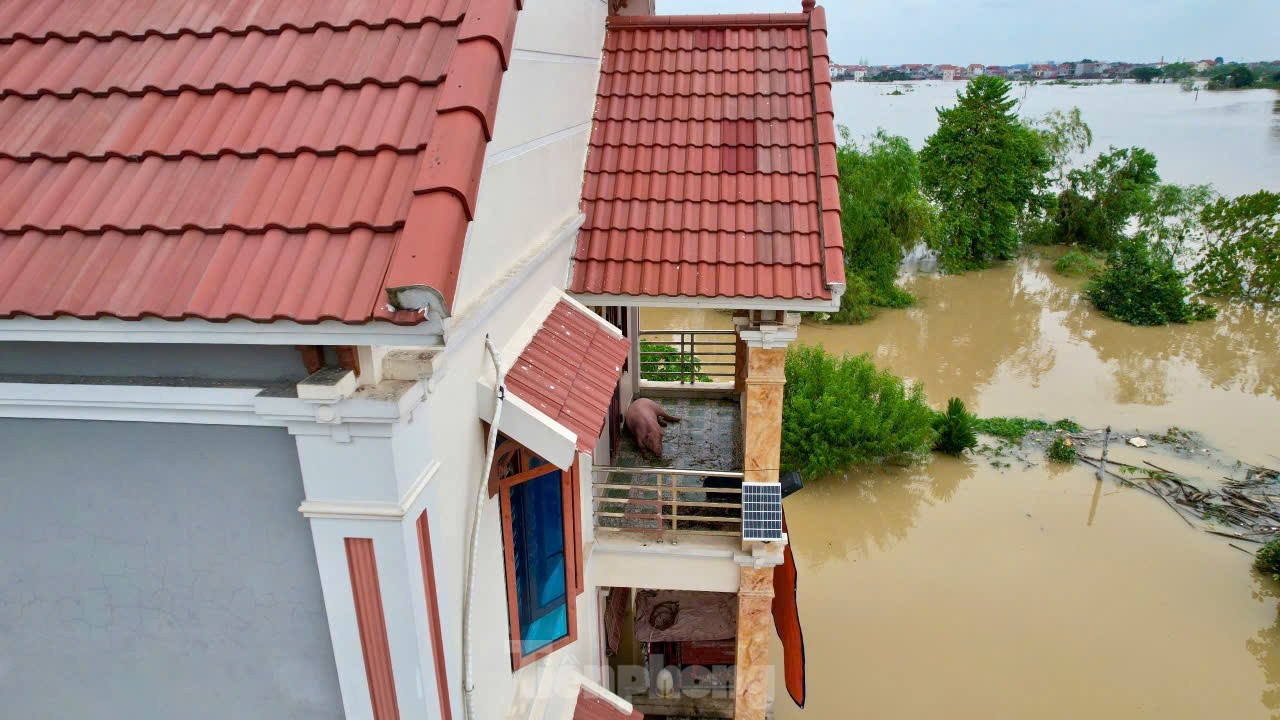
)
(455, 154)
(825, 133)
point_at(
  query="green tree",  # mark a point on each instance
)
(1230, 77)
(1242, 258)
(1145, 74)
(1171, 219)
(982, 167)
(842, 411)
(1142, 286)
(1101, 198)
(884, 213)
(1178, 71)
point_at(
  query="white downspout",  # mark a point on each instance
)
(468, 676)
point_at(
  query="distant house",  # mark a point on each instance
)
(950, 72)
(996, 70)
(1044, 72)
(1203, 65)
(976, 69)
(857, 73)
(1066, 69)
(916, 70)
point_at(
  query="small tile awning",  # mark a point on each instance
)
(566, 368)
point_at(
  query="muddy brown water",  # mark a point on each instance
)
(961, 590)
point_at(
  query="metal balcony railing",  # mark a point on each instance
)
(668, 500)
(688, 357)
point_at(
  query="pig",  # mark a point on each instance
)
(645, 419)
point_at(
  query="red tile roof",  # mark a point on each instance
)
(593, 707)
(242, 159)
(712, 166)
(569, 370)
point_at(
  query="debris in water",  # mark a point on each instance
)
(1137, 442)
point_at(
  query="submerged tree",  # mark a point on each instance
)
(982, 167)
(1143, 286)
(1101, 198)
(1243, 258)
(883, 215)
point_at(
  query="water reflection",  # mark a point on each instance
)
(1265, 646)
(880, 507)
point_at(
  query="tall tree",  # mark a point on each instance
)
(982, 167)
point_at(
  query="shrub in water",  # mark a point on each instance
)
(1077, 263)
(1141, 286)
(1016, 428)
(841, 411)
(1062, 451)
(955, 429)
(1268, 559)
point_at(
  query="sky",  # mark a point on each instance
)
(1005, 32)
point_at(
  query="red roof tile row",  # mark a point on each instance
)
(281, 160)
(711, 170)
(570, 369)
(108, 18)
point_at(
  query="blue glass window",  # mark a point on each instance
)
(538, 551)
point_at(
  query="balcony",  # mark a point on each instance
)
(694, 489)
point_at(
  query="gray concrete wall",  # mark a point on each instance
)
(152, 571)
(214, 362)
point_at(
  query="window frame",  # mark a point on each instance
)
(570, 503)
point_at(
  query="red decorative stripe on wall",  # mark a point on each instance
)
(433, 617)
(367, 594)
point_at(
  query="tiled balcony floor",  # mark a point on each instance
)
(708, 437)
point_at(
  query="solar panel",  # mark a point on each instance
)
(762, 511)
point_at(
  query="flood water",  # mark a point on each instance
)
(960, 590)
(1229, 139)
(965, 591)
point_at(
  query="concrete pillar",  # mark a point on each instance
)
(755, 620)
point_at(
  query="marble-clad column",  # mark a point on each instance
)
(762, 387)
(755, 620)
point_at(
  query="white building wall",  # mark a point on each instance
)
(532, 181)
(458, 437)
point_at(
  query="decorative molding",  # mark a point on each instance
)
(371, 622)
(334, 510)
(711, 303)
(231, 332)
(136, 403)
(769, 337)
(202, 404)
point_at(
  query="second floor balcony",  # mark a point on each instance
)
(695, 488)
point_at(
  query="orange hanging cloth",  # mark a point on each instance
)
(786, 618)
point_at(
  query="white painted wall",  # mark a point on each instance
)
(457, 436)
(532, 182)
